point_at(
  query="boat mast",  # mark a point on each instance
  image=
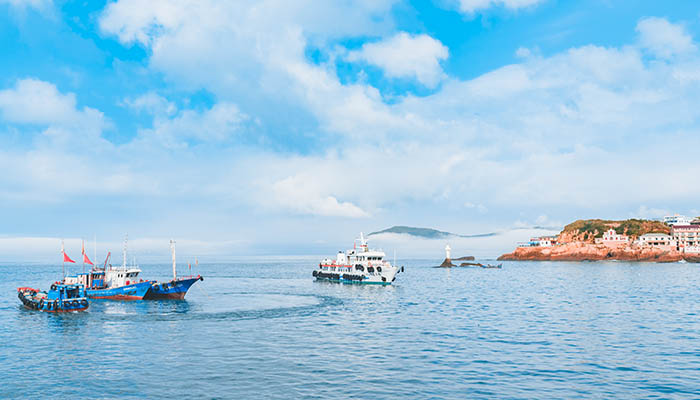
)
(172, 250)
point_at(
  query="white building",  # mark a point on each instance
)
(676, 219)
(613, 239)
(543, 241)
(657, 240)
(687, 237)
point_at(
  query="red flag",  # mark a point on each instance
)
(86, 260)
(67, 259)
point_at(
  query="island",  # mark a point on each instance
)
(625, 240)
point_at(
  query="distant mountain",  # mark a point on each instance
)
(427, 233)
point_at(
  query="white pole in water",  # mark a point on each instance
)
(172, 249)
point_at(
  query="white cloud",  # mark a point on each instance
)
(152, 103)
(649, 212)
(479, 207)
(40, 5)
(471, 6)
(487, 247)
(663, 38)
(406, 56)
(523, 52)
(221, 122)
(33, 101)
(300, 194)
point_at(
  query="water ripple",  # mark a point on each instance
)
(266, 330)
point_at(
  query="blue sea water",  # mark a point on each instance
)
(265, 329)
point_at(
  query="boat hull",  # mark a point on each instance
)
(134, 291)
(353, 282)
(354, 278)
(57, 311)
(175, 289)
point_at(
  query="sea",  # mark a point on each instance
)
(264, 329)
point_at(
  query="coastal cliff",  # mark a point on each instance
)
(577, 242)
(580, 251)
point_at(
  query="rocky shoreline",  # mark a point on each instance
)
(581, 251)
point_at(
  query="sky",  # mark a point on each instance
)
(277, 127)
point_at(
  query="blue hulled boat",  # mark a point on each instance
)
(174, 289)
(60, 298)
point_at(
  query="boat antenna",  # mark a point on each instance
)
(94, 242)
(172, 250)
(63, 257)
(126, 239)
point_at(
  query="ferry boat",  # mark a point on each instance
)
(359, 265)
(113, 283)
(60, 298)
(174, 289)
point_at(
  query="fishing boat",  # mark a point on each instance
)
(60, 298)
(174, 289)
(359, 265)
(113, 283)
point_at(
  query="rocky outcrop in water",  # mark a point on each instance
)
(447, 263)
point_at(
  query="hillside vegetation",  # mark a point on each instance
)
(587, 230)
(420, 232)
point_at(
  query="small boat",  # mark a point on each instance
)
(174, 289)
(358, 266)
(60, 298)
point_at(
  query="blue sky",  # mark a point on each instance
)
(276, 126)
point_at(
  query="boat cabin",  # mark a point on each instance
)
(122, 276)
(63, 292)
(99, 279)
(91, 280)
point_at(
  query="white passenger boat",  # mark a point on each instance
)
(359, 265)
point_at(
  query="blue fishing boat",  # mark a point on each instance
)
(60, 298)
(174, 289)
